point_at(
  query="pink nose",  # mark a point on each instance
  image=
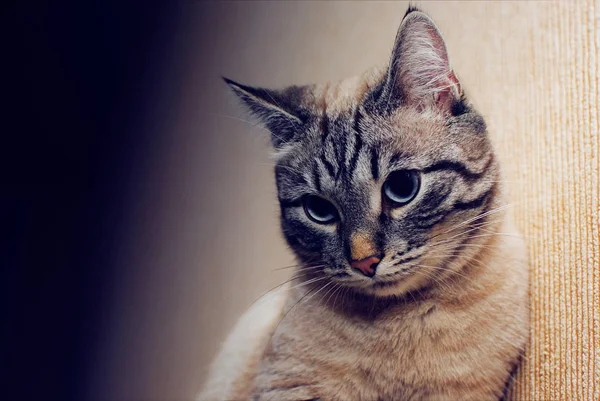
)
(367, 266)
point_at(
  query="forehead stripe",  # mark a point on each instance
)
(328, 165)
(478, 202)
(316, 176)
(324, 127)
(374, 163)
(357, 148)
(357, 117)
(396, 158)
(459, 168)
(340, 151)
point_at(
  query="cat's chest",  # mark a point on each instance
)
(396, 354)
(395, 330)
(396, 350)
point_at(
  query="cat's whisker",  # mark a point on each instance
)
(253, 124)
(520, 236)
(471, 258)
(310, 281)
(471, 228)
(480, 262)
(478, 217)
(312, 291)
(493, 234)
(343, 290)
(296, 276)
(269, 291)
(321, 289)
(503, 181)
(330, 292)
(287, 312)
(299, 266)
(451, 240)
(442, 254)
(490, 247)
(438, 280)
(412, 295)
(287, 267)
(429, 276)
(450, 271)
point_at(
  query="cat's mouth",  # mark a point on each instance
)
(392, 278)
(378, 280)
(388, 279)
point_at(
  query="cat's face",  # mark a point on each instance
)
(377, 176)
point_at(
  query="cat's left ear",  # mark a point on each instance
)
(281, 111)
(419, 73)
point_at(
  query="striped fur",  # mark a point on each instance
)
(444, 316)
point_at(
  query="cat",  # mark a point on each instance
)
(412, 280)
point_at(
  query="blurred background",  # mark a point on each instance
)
(139, 206)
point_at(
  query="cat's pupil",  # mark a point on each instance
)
(401, 186)
(319, 210)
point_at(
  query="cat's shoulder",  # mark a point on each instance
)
(234, 368)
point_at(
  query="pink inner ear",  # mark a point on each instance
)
(425, 73)
(445, 85)
(445, 96)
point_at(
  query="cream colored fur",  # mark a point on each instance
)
(232, 369)
(443, 347)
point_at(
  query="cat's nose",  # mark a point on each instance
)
(366, 266)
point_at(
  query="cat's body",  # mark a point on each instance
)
(390, 169)
(439, 348)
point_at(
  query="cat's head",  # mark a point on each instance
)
(381, 178)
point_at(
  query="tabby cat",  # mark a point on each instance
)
(412, 280)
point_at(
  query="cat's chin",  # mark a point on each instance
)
(394, 288)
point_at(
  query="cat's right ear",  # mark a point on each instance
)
(419, 73)
(281, 111)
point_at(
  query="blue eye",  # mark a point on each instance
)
(319, 210)
(401, 187)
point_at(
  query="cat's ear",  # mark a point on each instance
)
(419, 73)
(280, 111)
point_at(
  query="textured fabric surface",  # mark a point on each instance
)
(548, 136)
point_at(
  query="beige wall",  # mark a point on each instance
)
(204, 235)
